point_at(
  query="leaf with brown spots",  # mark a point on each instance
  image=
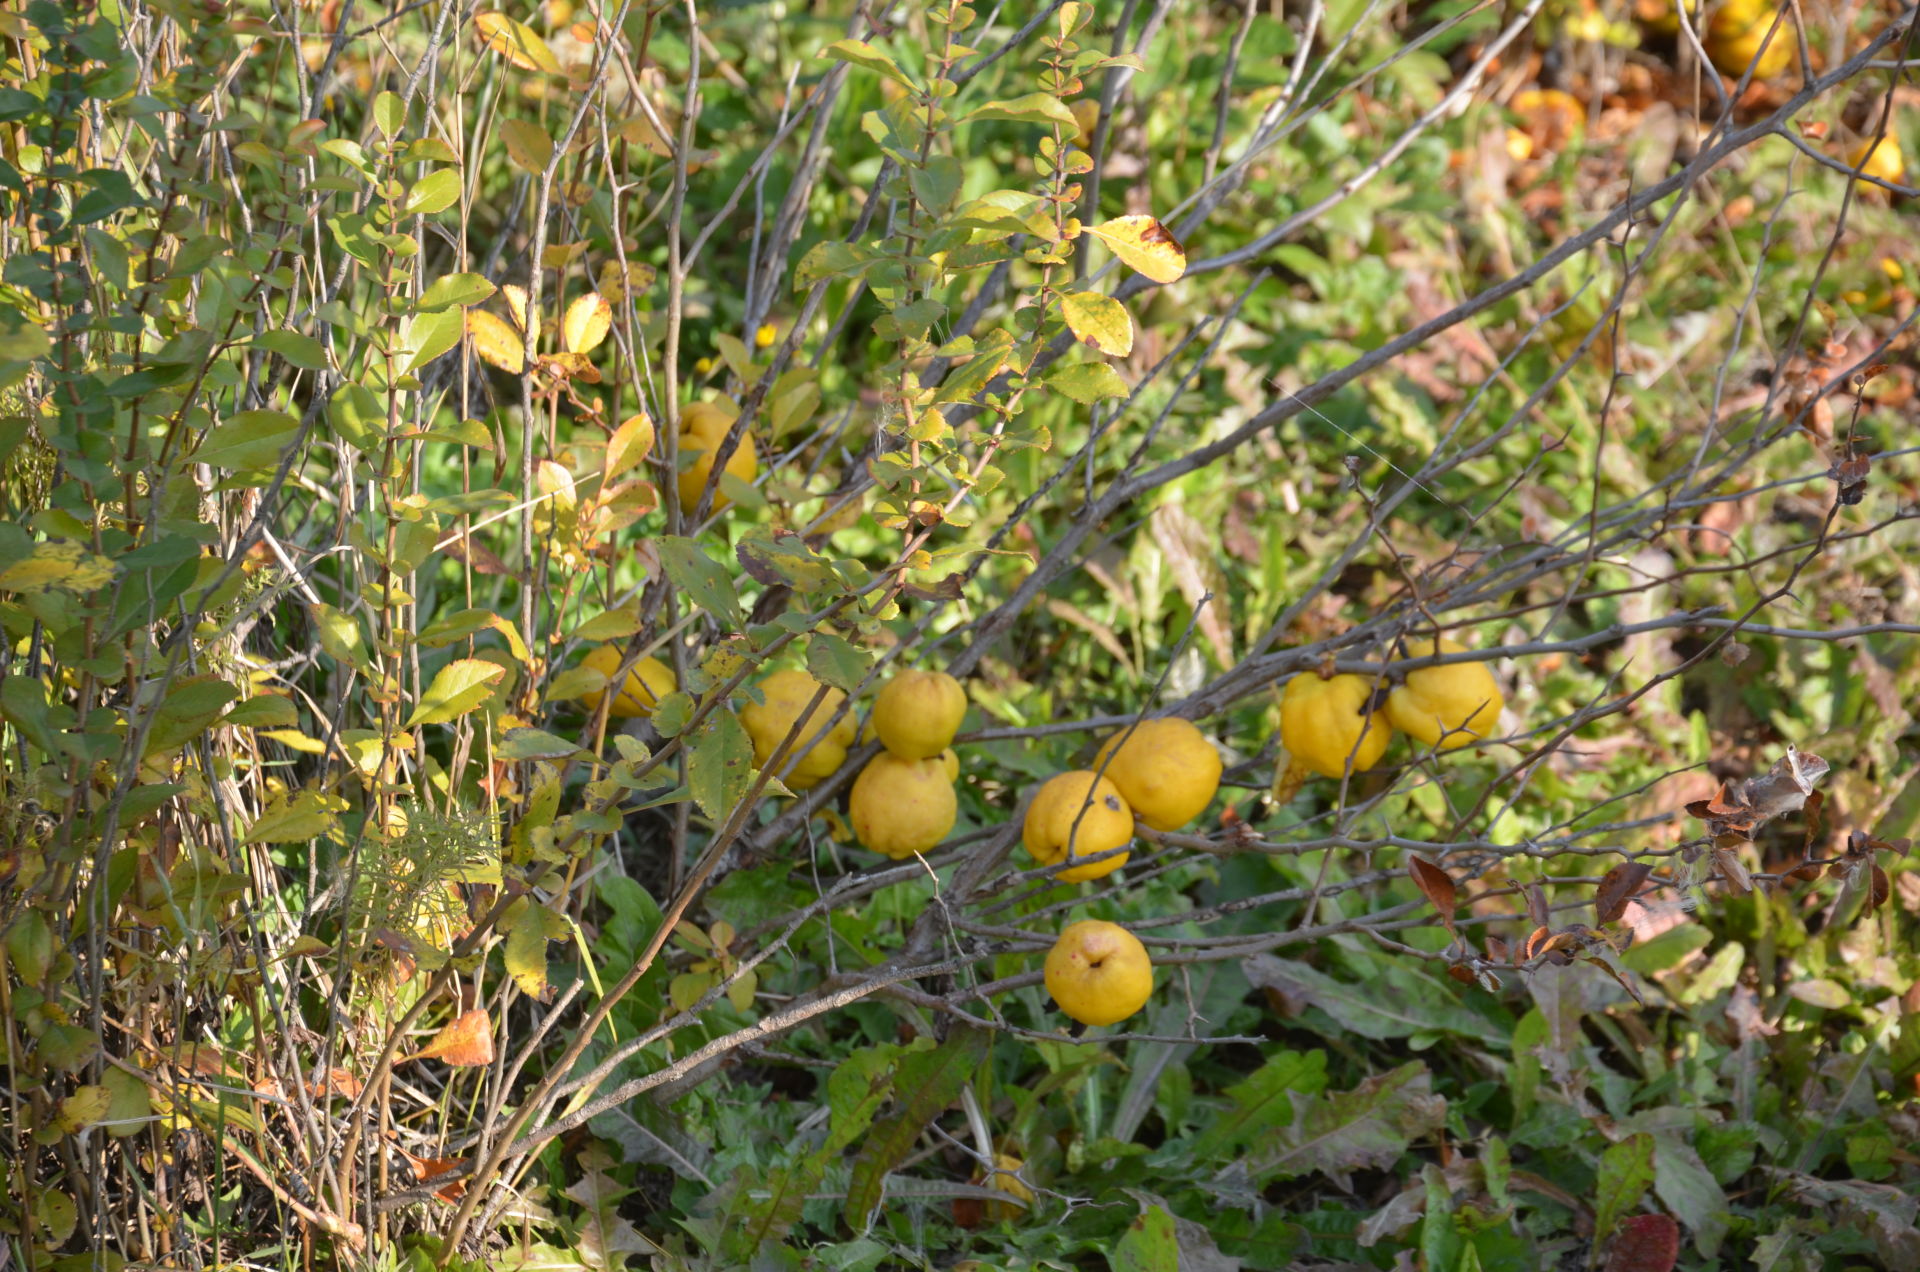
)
(1617, 887)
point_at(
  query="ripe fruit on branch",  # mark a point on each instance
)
(1098, 972)
(647, 682)
(1734, 36)
(1051, 826)
(703, 426)
(1446, 706)
(1881, 159)
(820, 750)
(917, 713)
(1325, 724)
(1166, 770)
(901, 807)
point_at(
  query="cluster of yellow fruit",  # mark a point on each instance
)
(1337, 724)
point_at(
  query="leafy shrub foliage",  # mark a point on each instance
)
(466, 474)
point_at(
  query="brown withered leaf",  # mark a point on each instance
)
(946, 589)
(1733, 870)
(428, 1169)
(336, 1082)
(1805, 872)
(478, 555)
(465, 1042)
(1879, 888)
(1850, 478)
(1617, 975)
(1436, 885)
(1617, 887)
(1460, 972)
(1496, 949)
(1537, 908)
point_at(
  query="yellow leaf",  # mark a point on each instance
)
(527, 144)
(1098, 321)
(457, 688)
(302, 818)
(61, 564)
(1145, 245)
(496, 342)
(621, 279)
(588, 320)
(516, 297)
(628, 446)
(517, 42)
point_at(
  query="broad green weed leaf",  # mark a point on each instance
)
(1034, 108)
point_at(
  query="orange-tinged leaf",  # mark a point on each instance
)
(1145, 245)
(588, 320)
(517, 42)
(527, 144)
(465, 1042)
(628, 446)
(496, 342)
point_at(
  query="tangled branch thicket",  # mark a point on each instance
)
(1120, 360)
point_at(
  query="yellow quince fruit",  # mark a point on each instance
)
(1050, 827)
(1098, 972)
(1006, 1178)
(1165, 768)
(1734, 36)
(1325, 723)
(648, 681)
(817, 751)
(703, 426)
(1881, 159)
(1445, 706)
(902, 807)
(917, 713)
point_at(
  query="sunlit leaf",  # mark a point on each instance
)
(457, 688)
(586, 324)
(464, 1042)
(517, 42)
(1145, 245)
(496, 342)
(1098, 321)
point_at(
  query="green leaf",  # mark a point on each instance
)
(389, 114)
(834, 661)
(453, 290)
(1098, 321)
(448, 628)
(357, 417)
(1148, 1245)
(966, 381)
(860, 53)
(1365, 1128)
(856, 1089)
(528, 930)
(264, 711)
(435, 192)
(1087, 382)
(457, 688)
(340, 635)
(720, 765)
(700, 577)
(527, 743)
(23, 703)
(302, 351)
(301, 818)
(1262, 1103)
(250, 439)
(431, 334)
(1626, 1172)
(926, 1082)
(190, 707)
(1034, 108)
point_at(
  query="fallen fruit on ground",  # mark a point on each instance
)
(820, 749)
(1447, 706)
(1098, 972)
(902, 807)
(1326, 723)
(916, 714)
(647, 682)
(703, 426)
(1055, 819)
(1166, 770)
(1006, 1178)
